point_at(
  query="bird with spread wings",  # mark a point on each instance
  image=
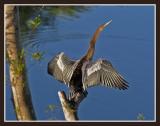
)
(81, 74)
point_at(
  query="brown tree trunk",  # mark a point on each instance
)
(20, 90)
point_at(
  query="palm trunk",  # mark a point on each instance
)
(20, 89)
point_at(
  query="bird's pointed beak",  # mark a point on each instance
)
(106, 24)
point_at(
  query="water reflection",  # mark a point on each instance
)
(49, 13)
(47, 32)
(31, 41)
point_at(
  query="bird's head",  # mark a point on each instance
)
(105, 25)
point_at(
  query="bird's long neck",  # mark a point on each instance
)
(90, 52)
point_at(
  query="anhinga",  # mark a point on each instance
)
(84, 73)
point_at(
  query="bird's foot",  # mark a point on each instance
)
(71, 95)
(79, 96)
(73, 104)
(85, 93)
(76, 98)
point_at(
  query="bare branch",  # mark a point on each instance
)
(69, 113)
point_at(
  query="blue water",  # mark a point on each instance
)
(128, 42)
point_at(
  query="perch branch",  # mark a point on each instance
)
(69, 113)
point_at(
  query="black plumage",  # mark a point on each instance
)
(80, 74)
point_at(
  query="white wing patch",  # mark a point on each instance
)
(94, 68)
(60, 63)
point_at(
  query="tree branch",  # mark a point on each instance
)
(69, 113)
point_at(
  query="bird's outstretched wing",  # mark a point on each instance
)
(102, 73)
(61, 67)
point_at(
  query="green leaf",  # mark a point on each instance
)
(37, 56)
(34, 23)
(140, 116)
(50, 108)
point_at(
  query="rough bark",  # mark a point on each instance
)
(20, 89)
(69, 113)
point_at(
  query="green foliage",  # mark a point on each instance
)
(27, 12)
(140, 116)
(51, 111)
(50, 108)
(21, 54)
(66, 10)
(37, 56)
(18, 64)
(33, 24)
(17, 109)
